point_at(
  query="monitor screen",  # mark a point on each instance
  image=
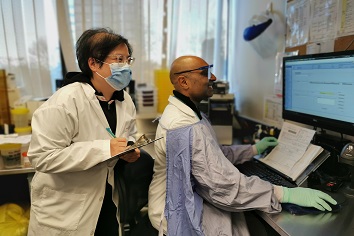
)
(318, 90)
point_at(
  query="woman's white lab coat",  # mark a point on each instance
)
(69, 149)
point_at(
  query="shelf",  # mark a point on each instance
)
(16, 171)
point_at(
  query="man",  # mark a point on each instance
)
(74, 139)
(201, 177)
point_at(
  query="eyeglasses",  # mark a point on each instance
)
(205, 71)
(121, 60)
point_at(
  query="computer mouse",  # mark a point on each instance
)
(335, 207)
(300, 210)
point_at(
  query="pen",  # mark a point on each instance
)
(110, 132)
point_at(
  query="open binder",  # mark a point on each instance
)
(295, 157)
(302, 173)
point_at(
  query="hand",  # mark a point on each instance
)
(266, 142)
(131, 156)
(308, 198)
(118, 145)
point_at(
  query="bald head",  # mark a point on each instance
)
(191, 81)
(184, 63)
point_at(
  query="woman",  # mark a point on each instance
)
(74, 140)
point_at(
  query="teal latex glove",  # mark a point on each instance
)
(266, 142)
(308, 198)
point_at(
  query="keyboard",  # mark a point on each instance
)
(249, 168)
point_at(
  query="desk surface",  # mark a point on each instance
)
(333, 224)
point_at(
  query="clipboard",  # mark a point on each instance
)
(142, 141)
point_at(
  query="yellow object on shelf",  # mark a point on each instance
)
(164, 88)
(11, 154)
(20, 116)
(23, 130)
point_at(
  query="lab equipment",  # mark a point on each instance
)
(265, 32)
(146, 99)
(254, 31)
(220, 112)
(221, 87)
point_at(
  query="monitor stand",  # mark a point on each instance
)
(330, 142)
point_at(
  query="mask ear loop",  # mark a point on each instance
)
(99, 75)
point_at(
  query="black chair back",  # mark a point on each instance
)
(133, 180)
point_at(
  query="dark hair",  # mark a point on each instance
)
(97, 43)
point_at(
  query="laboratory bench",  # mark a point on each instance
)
(15, 188)
(323, 224)
(331, 224)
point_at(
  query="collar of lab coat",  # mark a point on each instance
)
(186, 100)
(182, 106)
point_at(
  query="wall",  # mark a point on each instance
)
(253, 75)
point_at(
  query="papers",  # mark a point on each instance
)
(272, 110)
(294, 152)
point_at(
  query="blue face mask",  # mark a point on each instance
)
(121, 76)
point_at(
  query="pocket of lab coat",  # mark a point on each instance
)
(59, 210)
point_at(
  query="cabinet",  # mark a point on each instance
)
(14, 184)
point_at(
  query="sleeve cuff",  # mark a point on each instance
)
(255, 151)
(278, 191)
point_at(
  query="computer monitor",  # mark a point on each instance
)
(318, 90)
